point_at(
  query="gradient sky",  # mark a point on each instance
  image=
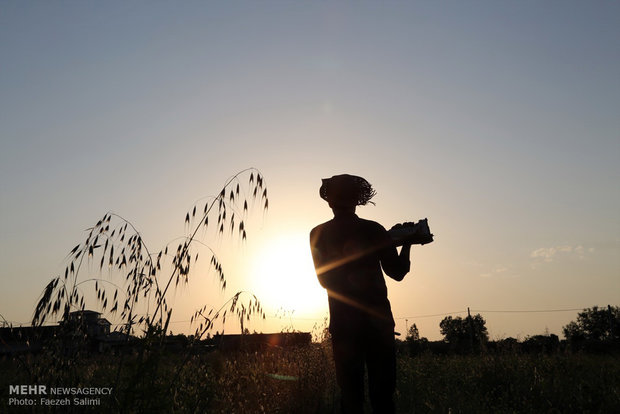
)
(499, 121)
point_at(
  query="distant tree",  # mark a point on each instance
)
(541, 343)
(464, 333)
(413, 334)
(594, 324)
(414, 342)
(508, 345)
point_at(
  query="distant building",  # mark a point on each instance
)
(88, 330)
(86, 324)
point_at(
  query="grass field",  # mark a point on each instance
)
(301, 380)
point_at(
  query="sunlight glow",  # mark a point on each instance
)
(283, 277)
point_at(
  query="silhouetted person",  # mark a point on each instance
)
(349, 254)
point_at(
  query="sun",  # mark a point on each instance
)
(283, 276)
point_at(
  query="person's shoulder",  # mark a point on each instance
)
(320, 227)
(370, 224)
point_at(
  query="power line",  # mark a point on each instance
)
(430, 316)
(494, 311)
(529, 311)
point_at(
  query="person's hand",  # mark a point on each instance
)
(406, 250)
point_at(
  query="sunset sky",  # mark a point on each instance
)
(499, 121)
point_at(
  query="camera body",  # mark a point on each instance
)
(411, 233)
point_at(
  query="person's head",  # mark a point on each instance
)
(345, 192)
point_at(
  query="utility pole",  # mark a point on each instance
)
(471, 330)
(612, 334)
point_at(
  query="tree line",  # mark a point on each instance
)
(595, 329)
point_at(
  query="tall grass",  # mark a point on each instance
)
(509, 383)
(136, 284)
(302, 380)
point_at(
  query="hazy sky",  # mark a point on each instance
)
(497, 120)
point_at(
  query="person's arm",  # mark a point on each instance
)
(395, 265)
(317, 258)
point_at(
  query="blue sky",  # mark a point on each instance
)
(497, 120)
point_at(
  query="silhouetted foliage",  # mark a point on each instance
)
(147, 278)
(464, 334)
(595, 324)
(139, 285)
(415, 343)
(541, 344)
(596, 330)
(507, 346)
(413, 334)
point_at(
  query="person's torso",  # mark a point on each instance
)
(358, 293)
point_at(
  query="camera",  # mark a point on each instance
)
(411, 233)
